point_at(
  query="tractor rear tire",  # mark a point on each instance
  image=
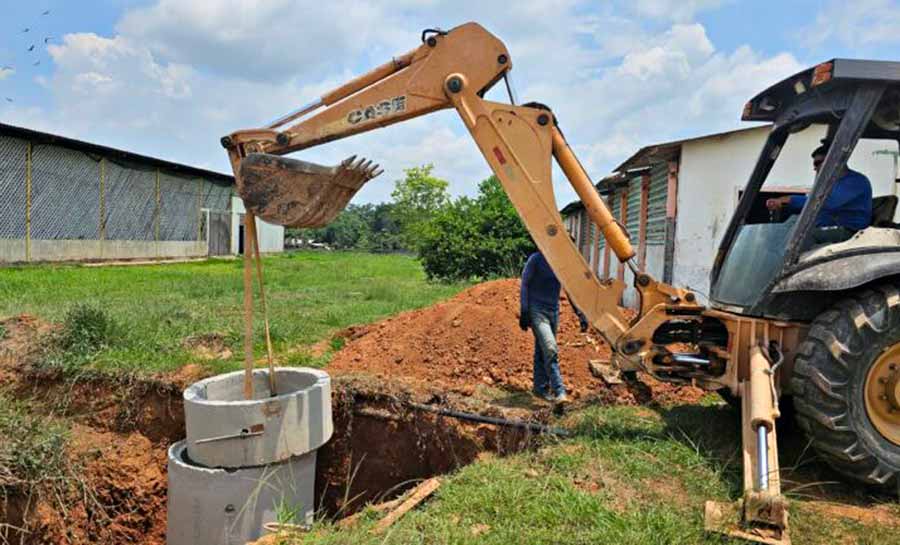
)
(830, 381)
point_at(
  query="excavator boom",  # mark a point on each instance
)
(454, 69)
(449, 70)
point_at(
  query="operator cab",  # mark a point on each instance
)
(769, 263)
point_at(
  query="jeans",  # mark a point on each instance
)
(832, 235)
(544, 322)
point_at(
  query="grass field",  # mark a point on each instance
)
(634, 476)
(629, 475)
(154, 309)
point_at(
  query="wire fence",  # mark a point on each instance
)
(49, 192)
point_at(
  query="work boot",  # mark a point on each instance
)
(561, 399)
(546, 396)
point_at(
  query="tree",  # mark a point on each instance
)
(384, 231)
(476, 238)
(417, 198)
(368, 227)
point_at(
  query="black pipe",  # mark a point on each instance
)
(475, 417)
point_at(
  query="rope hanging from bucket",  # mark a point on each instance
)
(251, 253)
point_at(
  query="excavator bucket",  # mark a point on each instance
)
(295, 193)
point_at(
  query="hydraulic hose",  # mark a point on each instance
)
(475, 417)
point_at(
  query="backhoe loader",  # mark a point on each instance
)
(821, 324)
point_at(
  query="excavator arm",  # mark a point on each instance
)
(449, 70)
(454, 70)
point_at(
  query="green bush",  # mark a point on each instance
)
(476, 238)
(33, 447)
(86, 329)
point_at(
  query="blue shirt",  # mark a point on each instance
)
(849, 205)
(539, 285)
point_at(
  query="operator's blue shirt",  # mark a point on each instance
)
(849, 205)
(539, 285)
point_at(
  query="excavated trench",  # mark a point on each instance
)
(383, 444)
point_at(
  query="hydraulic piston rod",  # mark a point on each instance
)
(596, 209)
(762, 458)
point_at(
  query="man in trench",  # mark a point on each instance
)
(539, 309)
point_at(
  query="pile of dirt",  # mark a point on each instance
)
(475, 339)
(208, 346)
(20, 343)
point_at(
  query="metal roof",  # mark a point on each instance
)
(125, 156)
(666, 151)
(645, 157)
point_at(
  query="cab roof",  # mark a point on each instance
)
(770, 104)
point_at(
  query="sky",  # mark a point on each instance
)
(168, 78)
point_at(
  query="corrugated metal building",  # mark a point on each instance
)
(676, 198)
(65, 199)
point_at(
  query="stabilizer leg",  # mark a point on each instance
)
(761, 515)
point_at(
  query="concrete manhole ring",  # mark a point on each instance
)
(226, 430)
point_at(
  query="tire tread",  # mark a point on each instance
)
(822, 375)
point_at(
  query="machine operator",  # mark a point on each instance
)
(847, 209)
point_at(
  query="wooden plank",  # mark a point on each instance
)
(249, 225)
(350, 521)
(603, 370)
(606, 262)
(671, 216)
(425, 489)
(672, 197)
(623, 219)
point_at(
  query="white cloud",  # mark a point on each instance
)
(856, 24)
(671, 85)
(268, 40)
(674, 10)
(178, 75)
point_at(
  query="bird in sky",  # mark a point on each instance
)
(46, 12)
(31, 48)
(8, 99)
(6, 67)
(36, 64)
(47, 39)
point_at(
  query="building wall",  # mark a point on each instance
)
(714, 170)
(271, 237)
(58, 203)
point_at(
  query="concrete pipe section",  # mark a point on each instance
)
(225, 430)
(230, 506)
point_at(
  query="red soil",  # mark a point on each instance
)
(475, 339)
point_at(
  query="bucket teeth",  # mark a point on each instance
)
(296, 193)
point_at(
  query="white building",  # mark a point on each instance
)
(676, 198)
(271, 237)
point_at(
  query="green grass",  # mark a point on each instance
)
(627, 476)
(152, 309)
(32, 447)
(630, 476)
(622, 479)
